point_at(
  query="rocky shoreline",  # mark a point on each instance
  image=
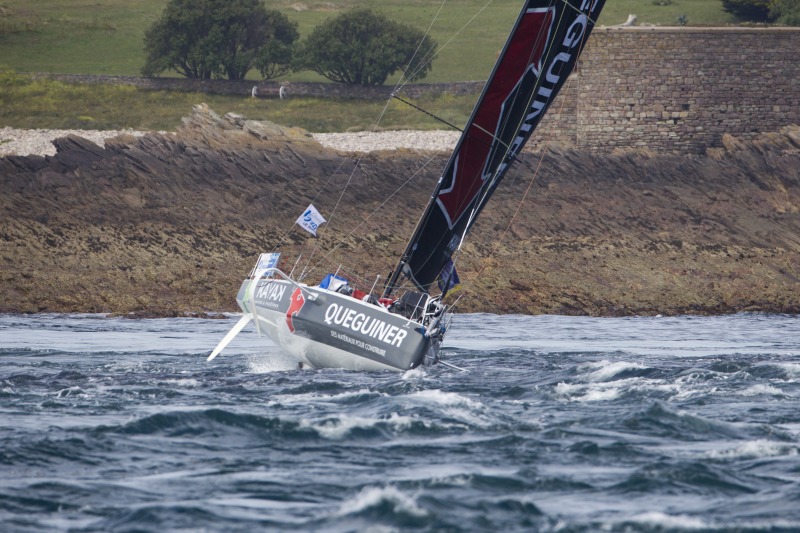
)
(169, 223)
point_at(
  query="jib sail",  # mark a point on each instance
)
(537, 59)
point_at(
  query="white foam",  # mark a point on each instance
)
(70, 391)
(437, 396)
(468, 411)
(757, 390)
(272, 362)
(338, 427)
(185, 382)
(415, 374)
(792, 369)
(606, 369)
(585, 393)
(668, 521)
(755, 449)
(600, 391)
(318, 398)
(374, 496)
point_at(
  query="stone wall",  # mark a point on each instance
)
(672, 90)
(269, 89)
(680, 89)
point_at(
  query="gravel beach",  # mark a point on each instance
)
(39, 142)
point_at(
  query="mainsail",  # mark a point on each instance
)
(538, 57)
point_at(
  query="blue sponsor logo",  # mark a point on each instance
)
(307, 218)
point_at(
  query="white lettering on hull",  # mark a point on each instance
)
(366, 325)
(271, 291)
(361, 344)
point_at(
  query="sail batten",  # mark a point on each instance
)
(538, 56)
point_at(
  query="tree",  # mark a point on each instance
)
(360, 47)
(275, 57)
(752, 10)
(785, 11)
(219, 38)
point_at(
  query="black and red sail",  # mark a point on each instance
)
(537, 59)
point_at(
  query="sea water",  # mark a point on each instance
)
(558, 424)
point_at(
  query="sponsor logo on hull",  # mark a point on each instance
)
(298, 300)
(340, 322)
(271, 294)
(369, 326)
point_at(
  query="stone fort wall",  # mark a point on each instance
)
(665, 89)
(680, 89)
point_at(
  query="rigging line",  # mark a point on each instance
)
(540, 37)
(575, 9)
(404, 184)
(496, 246)
(456, 34)
(443, 121)
(416, 50)
(319, 192)
(330, 217)
(487, 188)
(374, 127)
(492, 135)
(494, 180)
(344, 189)
(364, 221)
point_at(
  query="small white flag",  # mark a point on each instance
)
(269, 260)
(310, 220)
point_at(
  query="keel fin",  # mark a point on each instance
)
(246, 318)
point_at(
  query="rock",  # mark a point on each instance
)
(168, 224)
(72, 142)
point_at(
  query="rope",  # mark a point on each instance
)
(447, 43)
(443, 121)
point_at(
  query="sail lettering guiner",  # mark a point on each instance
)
(539, 55)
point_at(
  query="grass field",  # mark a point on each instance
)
(26, 104)
(105, 36)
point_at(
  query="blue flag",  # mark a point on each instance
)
(448, 278)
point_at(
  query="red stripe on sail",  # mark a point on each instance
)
(525, 49)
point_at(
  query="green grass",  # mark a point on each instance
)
(26, 103)
(105, 36)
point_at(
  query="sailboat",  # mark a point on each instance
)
(333, 325)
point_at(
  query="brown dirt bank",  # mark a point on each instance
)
(171, 223)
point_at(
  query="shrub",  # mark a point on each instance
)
(360, 47)
(785, 12)
(750, 10)
(219, 38)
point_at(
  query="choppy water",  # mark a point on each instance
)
(560, 423)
